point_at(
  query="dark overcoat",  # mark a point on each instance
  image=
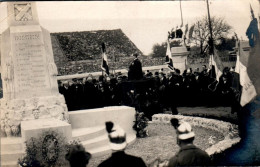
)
(121, 159)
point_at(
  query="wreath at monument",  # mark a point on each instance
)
(50, 149)
(47, 150)
(140, 125)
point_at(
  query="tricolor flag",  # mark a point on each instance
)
(186, 29)
(252, 31)
(169, 56)
(215, 63)
(191, 31)
(248, 89)
(104, 65)
(247, 65)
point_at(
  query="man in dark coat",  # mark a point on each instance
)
(61, 88)
(189, 88)
(224, 87)
(89, 93)
(175, 90)
(189, 154)
(135, 69)
(77, 95)
(204, 81)
(204, 78)
(68, 94)
(119, 158)
(236, 91)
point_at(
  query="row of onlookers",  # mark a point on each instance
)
(155, 93)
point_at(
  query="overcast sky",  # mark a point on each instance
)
(144, 22)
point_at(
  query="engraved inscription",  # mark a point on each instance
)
(26, 37)
(30, 64)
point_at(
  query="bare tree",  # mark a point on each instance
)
(201, 32)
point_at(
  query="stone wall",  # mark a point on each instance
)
(230, 131)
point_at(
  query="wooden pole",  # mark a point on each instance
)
(210, 30)
(181, 15)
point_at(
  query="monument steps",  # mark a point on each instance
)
(131, 139)
(9, 164)
(104, 150)
(100, 151)
(9, 140)
(83, 134)
(15, 147)
(96, 142)
(10, 156)
(14, 144)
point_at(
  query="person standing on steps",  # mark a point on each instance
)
(135, 69)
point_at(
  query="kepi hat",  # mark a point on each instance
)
(117, 136)
(184, 129)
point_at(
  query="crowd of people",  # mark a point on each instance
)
(153, 92)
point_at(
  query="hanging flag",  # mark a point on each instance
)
(215, 66)
(169, 56)
(104, 65)
(237, 69)
(168, 53)
(252, 31)
(248, 63)
(191, 31)
(248, 89)
(216, 71)
(186, 29)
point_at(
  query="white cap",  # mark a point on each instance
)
(117, 138)
(185, 131)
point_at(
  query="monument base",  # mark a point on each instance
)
(13, 148)
(87, 126)
(179, 57)
(17, 110)
(34, 128)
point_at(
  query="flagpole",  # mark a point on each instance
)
(181, 15)
(238, 56)
(211, 50)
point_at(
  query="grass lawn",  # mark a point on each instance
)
(162, 144)
(219, 113)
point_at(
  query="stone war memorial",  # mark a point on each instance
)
(29, 72)
(31, 102)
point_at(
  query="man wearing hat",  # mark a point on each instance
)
(119, 158)
(77, 156)
(189, 154)
(135, 69)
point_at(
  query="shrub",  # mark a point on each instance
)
(47, 150)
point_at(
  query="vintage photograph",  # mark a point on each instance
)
(130, 83)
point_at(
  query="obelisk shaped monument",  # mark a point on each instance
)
(30, 89)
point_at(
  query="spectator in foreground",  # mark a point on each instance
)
(189, 154)
(77, 156)
(119, 158)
